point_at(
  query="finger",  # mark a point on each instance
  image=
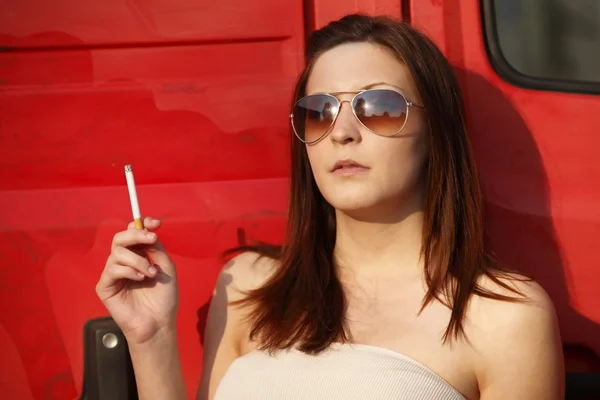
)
(132, 237)
(129, 258)
(114, 273)
(149, 223)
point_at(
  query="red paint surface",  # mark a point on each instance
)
(322, 12)
(196, 97)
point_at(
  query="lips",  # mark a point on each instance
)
(346, 164)
(348, 167)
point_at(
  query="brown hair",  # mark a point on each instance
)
(303, 302)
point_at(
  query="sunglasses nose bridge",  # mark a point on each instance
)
(341, 103)
(344, 127)
(339, 108)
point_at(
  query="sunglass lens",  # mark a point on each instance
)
(313, 116)
(383, 111)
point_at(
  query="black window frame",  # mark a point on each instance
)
(511, 75)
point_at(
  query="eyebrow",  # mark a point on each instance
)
(372, 85)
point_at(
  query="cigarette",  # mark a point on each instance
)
(135, 205)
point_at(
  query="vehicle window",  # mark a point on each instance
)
(547, 40)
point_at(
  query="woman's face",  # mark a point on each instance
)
(393, 166)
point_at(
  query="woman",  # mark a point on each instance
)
(383, 288)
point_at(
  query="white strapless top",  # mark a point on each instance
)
(342, 372)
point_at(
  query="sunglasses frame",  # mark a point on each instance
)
(356, 93)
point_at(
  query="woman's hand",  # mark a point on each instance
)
(141, 298)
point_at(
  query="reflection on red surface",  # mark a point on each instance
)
(204, 126)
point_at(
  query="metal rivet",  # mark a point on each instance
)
(110, 340)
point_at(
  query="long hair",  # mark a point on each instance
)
(303, 302)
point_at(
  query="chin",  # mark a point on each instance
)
(352, 203)
(370, 204)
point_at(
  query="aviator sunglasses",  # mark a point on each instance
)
(382, 111)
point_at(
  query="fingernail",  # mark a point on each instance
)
(152, 270)
(151, 235)
(141, 275)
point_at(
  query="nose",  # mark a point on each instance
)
(346, 128)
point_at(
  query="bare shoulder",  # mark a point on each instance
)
(531, 310)
(518, 349)
(531, 300)
(226, 332)
(245, 272)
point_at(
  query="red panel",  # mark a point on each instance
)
(132, 22)
(201, 113)
(327, 11)
(118, 105)
(428, 16)
(538, 156)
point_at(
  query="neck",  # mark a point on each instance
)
(392, 244)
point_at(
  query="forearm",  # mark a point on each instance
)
(157, 368)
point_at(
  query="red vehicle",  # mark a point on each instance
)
(195, 95)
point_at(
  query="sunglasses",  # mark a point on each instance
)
(382, 111)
